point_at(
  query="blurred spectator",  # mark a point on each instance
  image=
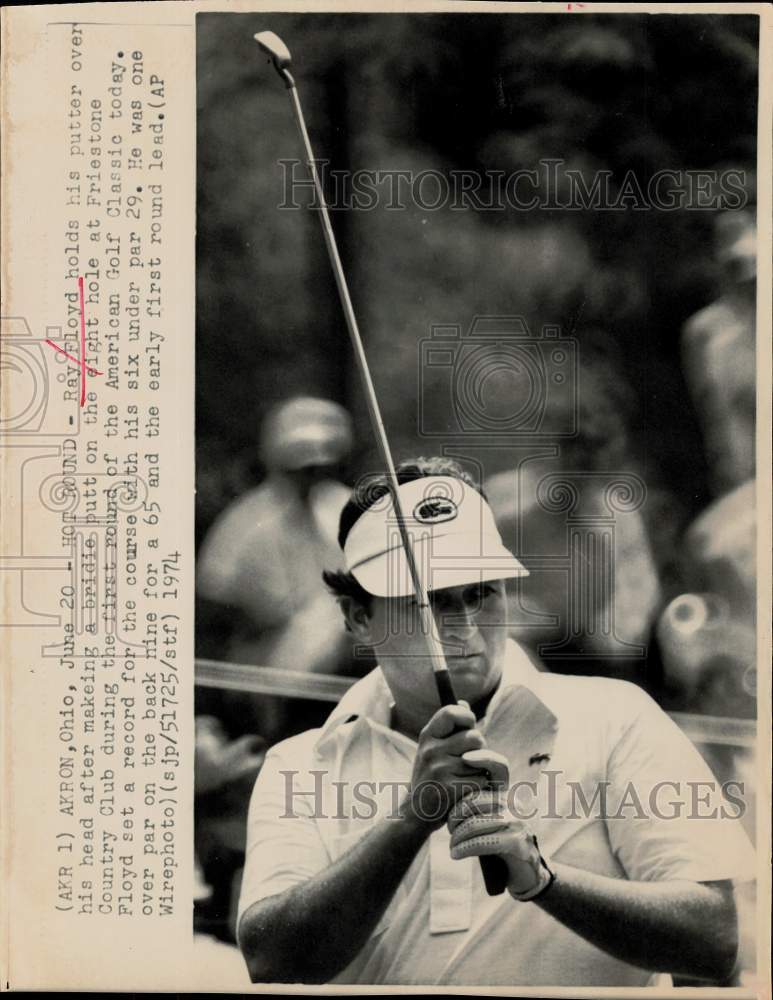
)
(719, 356)
(263, 557)
(707, 636)
(721, 549)
(593, 593)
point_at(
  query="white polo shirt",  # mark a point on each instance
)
(567, 739)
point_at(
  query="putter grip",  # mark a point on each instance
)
(445, 689)
(495, 873)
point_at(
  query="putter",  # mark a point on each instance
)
(494, 869)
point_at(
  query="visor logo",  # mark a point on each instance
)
(434, 510)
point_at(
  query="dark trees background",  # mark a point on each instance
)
(487, 92)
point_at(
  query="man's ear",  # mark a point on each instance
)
(356, 617)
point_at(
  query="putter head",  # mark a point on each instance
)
(273, 46)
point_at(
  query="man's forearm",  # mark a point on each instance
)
(311, 932)
(681, 927)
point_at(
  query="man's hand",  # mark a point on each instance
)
(479, 827)
(451, 762)
(677, 926)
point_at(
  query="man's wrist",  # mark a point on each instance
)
(414, 822)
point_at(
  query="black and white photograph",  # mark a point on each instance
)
(475, 498)
(385, 509)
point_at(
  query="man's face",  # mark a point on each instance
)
(471, 621)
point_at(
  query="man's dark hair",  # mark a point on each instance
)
(343, 584)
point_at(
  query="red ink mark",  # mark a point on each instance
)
(83, 341)
(88, 368)
(81, 364)
(569, 6)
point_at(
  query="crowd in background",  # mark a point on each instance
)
(660, 308)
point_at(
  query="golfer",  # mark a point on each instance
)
(364, 837)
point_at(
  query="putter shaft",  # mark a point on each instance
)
(437, 657)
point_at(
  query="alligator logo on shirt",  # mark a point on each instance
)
(435, 510)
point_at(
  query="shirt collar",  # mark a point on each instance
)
(371, 699)
(519, 670)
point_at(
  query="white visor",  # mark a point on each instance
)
(453, 535)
